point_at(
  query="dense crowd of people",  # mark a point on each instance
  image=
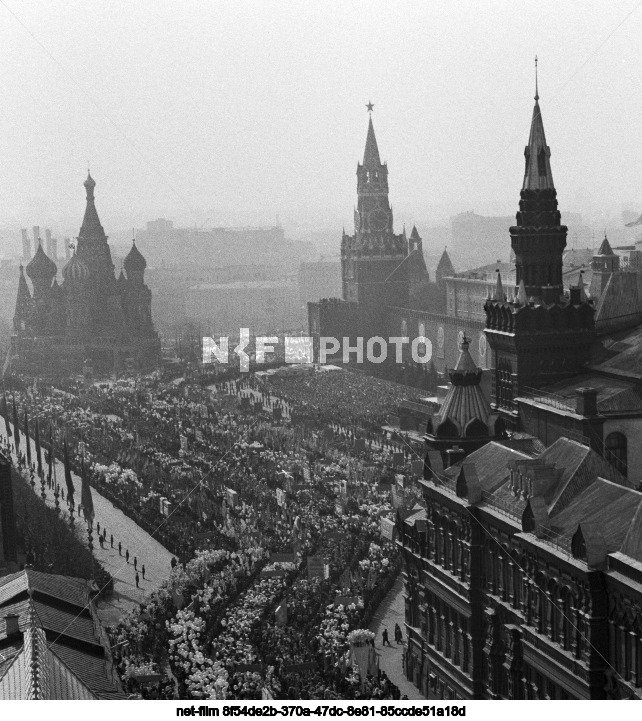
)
(273, 508)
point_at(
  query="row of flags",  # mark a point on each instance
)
(86, 499)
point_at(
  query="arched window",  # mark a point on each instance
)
(615, 451)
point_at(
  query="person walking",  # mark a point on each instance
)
(398, 634)
(384, 635)
(111, 540)
(98, 528)
(127, 555)
(120, 548)
(135, 564)
(137, 580)
(143, 571)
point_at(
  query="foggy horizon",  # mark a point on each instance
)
(234, 114)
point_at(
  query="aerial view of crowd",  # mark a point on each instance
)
(278, 499)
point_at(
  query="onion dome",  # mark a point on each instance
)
(75, 271)
(41, 267)
(134, 261)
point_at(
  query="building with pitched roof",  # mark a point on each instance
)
(91, 316)
(52, 645)
(524, 569)
(523, 577)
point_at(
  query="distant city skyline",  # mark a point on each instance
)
(172, 128)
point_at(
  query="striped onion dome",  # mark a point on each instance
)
(75, 270)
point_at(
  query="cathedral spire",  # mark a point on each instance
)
(22, 302)
(538, 174)
(91, 230)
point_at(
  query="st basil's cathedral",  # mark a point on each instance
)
(91, 318)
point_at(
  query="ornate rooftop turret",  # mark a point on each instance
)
(544, 336)
(465, 419)
(135, 264)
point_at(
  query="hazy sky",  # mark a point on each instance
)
(220, 112)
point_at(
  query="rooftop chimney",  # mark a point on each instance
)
(586, 401)
(11, 624)
(454, 455)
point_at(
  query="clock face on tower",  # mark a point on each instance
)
(378, 219)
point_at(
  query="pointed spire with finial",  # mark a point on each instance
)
(580, 282)
(522, 297)
(371, 157)
(91, 230)
(538, 174)
(605, 248)
(499, 288)
(23, 302)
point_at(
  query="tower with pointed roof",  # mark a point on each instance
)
(445, 268)
(372, 259)
(23, 303)
(136, 296)
(603, 264)
(465, 421)
(541, 335)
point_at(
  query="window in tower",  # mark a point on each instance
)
(504, 383)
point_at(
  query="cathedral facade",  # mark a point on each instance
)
(90, 319)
